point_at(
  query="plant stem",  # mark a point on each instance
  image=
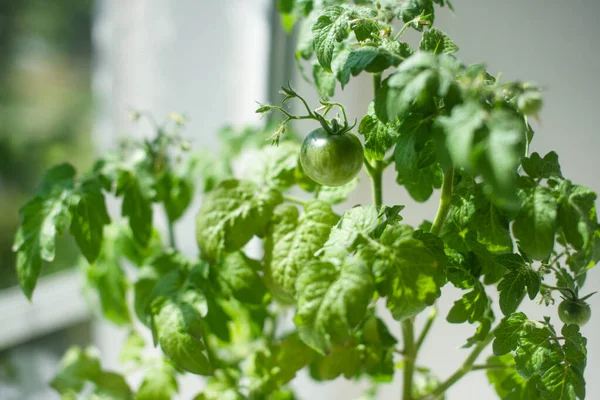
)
(376, 177)
(427, 327)
(489, 366)
(462, 371)
(171, 231)
(376, 82)
(295, 200)
(410, 354)
(445, 202)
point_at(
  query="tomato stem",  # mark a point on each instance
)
(376, 177)
(430, 319)
(445, 202)
(410, 355)
(562, 290)
(295, 200)
(171, 231)
(464, 369)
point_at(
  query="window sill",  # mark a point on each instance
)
(57, 303)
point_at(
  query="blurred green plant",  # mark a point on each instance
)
(45, 106)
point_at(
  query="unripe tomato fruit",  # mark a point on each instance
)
(331, 159)
(574, 312)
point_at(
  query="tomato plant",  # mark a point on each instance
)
(507, 221)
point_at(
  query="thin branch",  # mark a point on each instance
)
(430, 320)
(465, 368)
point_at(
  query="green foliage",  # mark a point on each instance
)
(293, 241)
(231, 215)
(507, 222)
(79, 368)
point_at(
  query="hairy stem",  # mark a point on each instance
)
(432, 315)
(445, 202)
(410, 355)
(465, 368)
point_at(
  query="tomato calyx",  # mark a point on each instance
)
(333, 126)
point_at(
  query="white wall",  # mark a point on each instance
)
(208, 59)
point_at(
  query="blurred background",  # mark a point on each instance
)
(71, 69)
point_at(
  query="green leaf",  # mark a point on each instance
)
(333, 26)
(508, 333)
(178, 327)
(490, 144)
(562, 382)
(512, 286)
(437, 42)
(536, 352)
(419, 83)
(473, 211)
(574, 347)
(305, 40)
(237, 276)
(337, 194)
(537, 167)
(214, 168)
(293, 241)
(411, 10)
(231, 215)
(368, 351)
(110, 385)
(576, 213)
(279, 364)
(360, 220)
(341, 360)
(274, 166)
(81, 367)
(414, 156)
(499, 155)
(324, 82)
(471, 307)
(587, 257)
(379, 136)
(159, 383)
(165, 276)
(176, 193)
(76, 368)
(88, 218)
(506, 381)
(43, 219)
(462, 129)
(137, 206)
(109, 279)
(222, 386)
(407, 268)
(132, 349)
(535, 224)
(370, 58)
(474, 306)
(331, 301)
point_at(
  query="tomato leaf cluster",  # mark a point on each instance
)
(507, 221)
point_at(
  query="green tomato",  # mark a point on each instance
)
(574, 312)
(331, 159)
